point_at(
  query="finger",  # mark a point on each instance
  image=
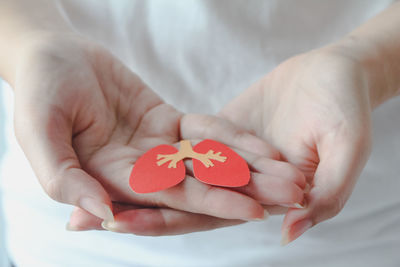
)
(272, 182)
(273, 168)
(263, 165)
(81, 220)
(269, 190)
(148, 221)
(342, 160)
(190, 195)
(272, 190)
(275, 182)
(194, 196)
(275, 210)
(161, 222)
(46, 137)
(197, 126)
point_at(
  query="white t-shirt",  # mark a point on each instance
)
(205, 53)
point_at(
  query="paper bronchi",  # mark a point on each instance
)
(213, 163)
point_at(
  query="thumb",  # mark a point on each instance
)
(46, 139)
(341, 162)
(200, 126)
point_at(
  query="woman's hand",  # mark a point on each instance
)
(314, 108)
(83, 119)
(277, 185)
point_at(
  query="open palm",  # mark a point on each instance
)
(83, 119)
(315, 109)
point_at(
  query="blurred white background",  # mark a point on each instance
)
(3, 257)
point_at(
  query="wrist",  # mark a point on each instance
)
(25, 20)
(23, 46)
(379, 76)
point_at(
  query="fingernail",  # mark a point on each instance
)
(109, 226)
(97, 208)
(295, 205)
(307, 188)
(301, 205)
(296, 231)
(265, 217)
(285, 238)
(70, 227)
(298, 205)
(266, 214)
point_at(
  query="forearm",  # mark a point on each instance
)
(21, 19)
(376, 45)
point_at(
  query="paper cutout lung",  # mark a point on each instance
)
(147, 176)
(213, 163)
(234, 172)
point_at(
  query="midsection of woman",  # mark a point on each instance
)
(198, 55)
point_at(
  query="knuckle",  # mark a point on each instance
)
(257, 162)
(53, 189)
(162, 225)
(290, 194)
(207, 199)
(332, 205)
(268, 152)
(158, 227)
(297, 176)
(295, 194)
(292, 172)
(263, 164)
(148, 231)
(274, 154)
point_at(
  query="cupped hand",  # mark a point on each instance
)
(83, 118)
(275, 184)
(315, 109)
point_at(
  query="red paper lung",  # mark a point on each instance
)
(148, 177)
(213, 163)
(234, 172)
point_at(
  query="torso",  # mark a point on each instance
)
(198, 55)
